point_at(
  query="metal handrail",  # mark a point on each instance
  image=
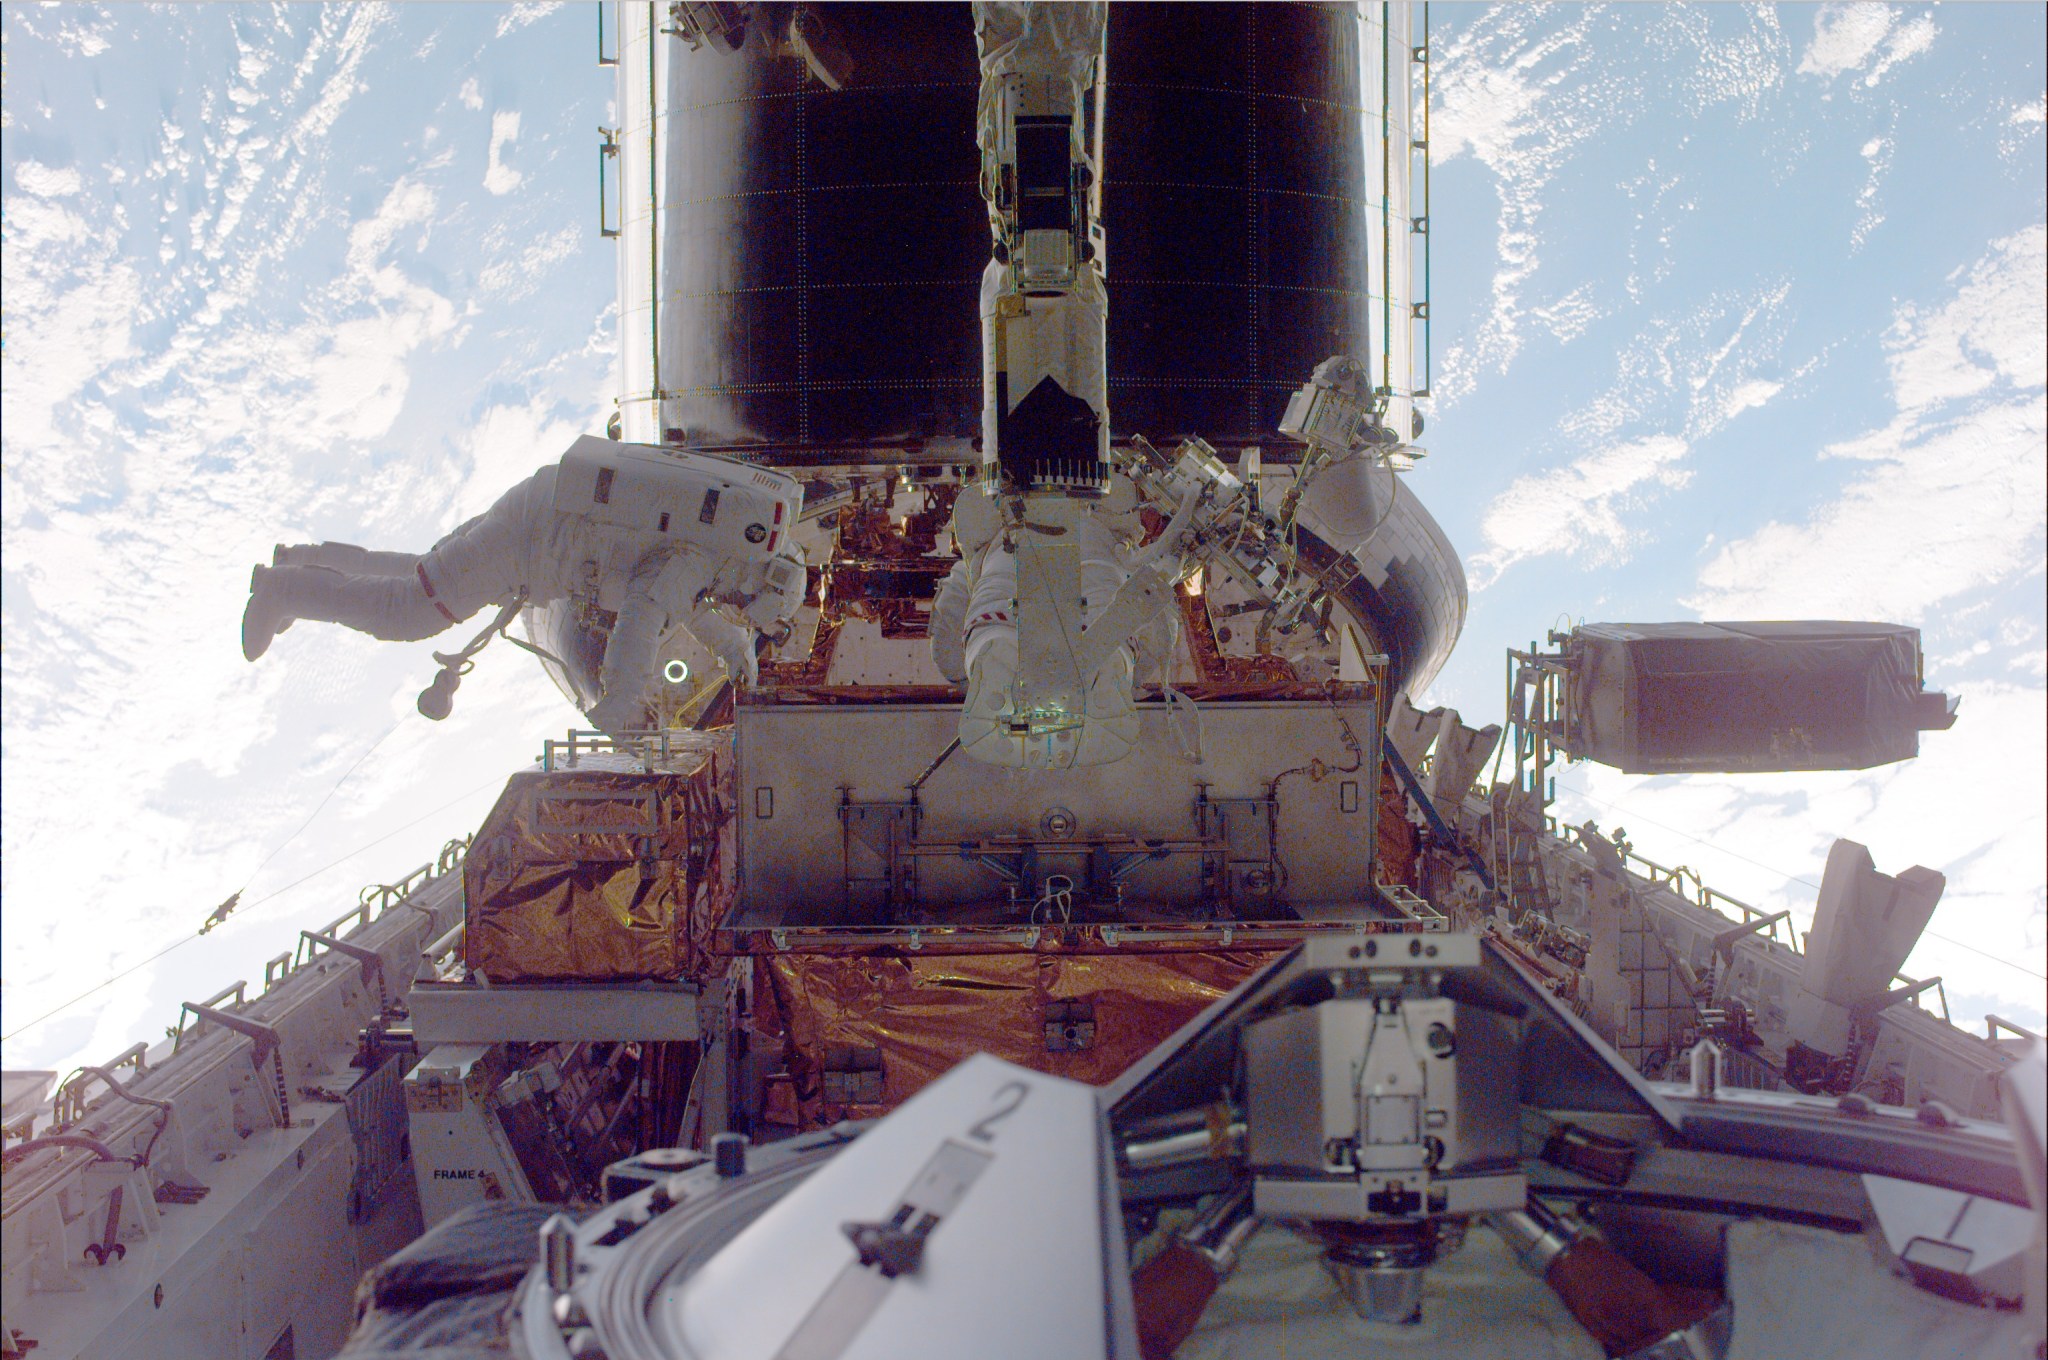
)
(374, 901)
(437, 950)
(1112, 935)
(1414, 906)
(1995, 1023)
(276, 970)
(1419, 311)
(648, 747)
(1918, 987)
(1676, 878)
(377, 898)
(238, 990)
(607, 152)
(69, 1103)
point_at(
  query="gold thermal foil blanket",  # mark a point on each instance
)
(596, 876)
(926, 1013)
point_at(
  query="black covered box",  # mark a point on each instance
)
(1668, 698)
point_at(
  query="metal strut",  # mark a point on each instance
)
(264, 1040)
(1430, 814)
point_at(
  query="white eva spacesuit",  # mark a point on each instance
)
(662, 537)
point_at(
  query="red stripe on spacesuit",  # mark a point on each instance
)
(428, 586)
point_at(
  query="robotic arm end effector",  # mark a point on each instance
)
(1338, 411)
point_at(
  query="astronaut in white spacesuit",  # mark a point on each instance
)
(663, 538)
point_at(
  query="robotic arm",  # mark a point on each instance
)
(1216, 516)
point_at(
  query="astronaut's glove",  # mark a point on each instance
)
(730, 643)
(740, 663)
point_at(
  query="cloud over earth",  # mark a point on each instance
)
(254, 310)
(1955, 484)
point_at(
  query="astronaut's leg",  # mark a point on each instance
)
(479, 561)
(1095, 726)
(949, 623)
(344, 557)
(989, 658)
(395, 608)
(397, 596)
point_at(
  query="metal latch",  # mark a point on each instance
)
(1070, 1025)
(853, 1075)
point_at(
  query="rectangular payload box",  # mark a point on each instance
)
(595, 875)
(1668, 698)
(862, 814)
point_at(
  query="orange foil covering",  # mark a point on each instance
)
(598, 875)
(1394, 857)
(926, 1013)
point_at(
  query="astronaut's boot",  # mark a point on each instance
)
(395, 608)
(263, 618)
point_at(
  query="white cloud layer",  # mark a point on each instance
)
(1748, 396)
(1569, 316)
(518, 16)
(1525, 90)
(499, 177)
(516, 274)
(1578, 508)
(1928, 505)
(1947, 505)
(1905, 42)
(213, 344)
(1744, 68)
(1992, 330)
(1869, 215)
(1954, 487)
(1849, 37)
(1844, 37)
(1953, 509)
(1519, 103)
(1686, 377)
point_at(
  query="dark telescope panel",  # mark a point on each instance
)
(819, 273)
(822, 251)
